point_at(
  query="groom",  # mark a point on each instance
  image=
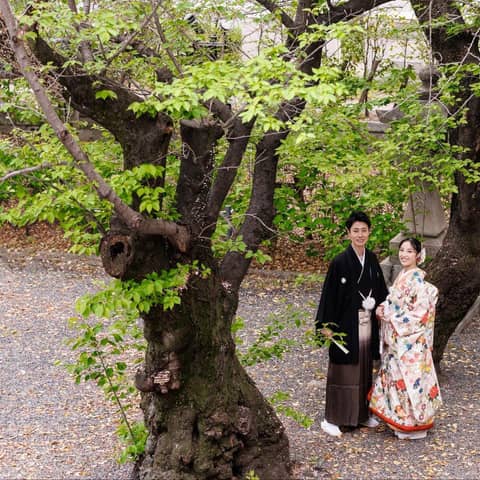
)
(353, 287)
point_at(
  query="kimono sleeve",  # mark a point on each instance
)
(410, 314)
(327, 308)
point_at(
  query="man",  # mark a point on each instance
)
(353, 287)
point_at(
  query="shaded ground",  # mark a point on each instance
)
(53, 429)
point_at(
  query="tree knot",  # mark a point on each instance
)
(243, 422)
(163, 380)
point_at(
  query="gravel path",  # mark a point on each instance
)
(52, 429)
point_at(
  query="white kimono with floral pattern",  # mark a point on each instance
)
(406, 393)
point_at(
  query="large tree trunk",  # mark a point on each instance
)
(456, 273)
(205, 416)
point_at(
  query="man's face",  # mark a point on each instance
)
(358, 235)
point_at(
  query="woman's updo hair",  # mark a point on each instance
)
(413, 242)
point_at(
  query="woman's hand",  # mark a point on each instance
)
(380, 313)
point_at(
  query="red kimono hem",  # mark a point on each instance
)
(402, 428)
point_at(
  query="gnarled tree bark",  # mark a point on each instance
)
(205, 416)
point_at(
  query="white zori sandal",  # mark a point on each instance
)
(331, 429)
(415, 435)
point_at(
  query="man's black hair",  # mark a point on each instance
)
(357, 216)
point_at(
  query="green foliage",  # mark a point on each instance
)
(278, 400)
(16, 103)
(59, 193)
(131, 298)
(452, 82)
(134, 444)
(329, 165)
(251, 475)
(103, 355)
(97, 345)
(221, 245)
(417, 147)
(272, 341)
(325, 336)
(258, 86)
(332, 174)
(106, 348)
(105, 94)
(267, 345)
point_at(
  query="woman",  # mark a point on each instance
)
(406, 394)
(354, 285)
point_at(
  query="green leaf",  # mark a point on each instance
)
(105, 95)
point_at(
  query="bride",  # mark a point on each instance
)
(406, 393)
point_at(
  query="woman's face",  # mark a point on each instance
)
(358, 235)
(407, 255)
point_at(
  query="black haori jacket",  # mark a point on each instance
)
(341, 300)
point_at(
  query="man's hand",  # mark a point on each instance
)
(326, 332)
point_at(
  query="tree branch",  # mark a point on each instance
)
(131, 37)
(85, 50)
(260, 213)
(348, 10)
(303, 14)
(112, 114)
(27, 170)
(458, 48)
(364, 95)
(163, 38)
(72, 5)
(287, 21)
(238, 138)
(199, 138)
(221, 110)
(177, 234)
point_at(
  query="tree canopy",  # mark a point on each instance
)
(185, 76)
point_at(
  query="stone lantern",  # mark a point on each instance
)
(424, 215)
